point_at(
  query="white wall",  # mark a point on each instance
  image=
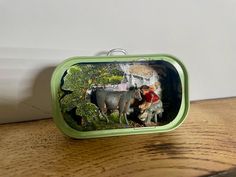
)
(36, 35)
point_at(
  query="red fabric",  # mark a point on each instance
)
(151, 97)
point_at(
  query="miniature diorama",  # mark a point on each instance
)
(100, 96)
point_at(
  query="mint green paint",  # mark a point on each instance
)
(66, 129)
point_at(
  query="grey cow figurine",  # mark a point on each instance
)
(108, 101)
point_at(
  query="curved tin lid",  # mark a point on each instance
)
(119, 95)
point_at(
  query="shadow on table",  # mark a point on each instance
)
(225, 173)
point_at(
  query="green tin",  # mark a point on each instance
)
(119, 95)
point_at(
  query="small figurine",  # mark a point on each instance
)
(152, 104)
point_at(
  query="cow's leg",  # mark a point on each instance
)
(100, 97)
(104, 115)
(126, 111)
(121, 109)
(126, 120)
(102, 110)
(127, 107)
(120, 115)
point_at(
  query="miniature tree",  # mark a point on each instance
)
(79, 79)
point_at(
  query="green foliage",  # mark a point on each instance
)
(70, 101)
(97, 124)
(88, 111)
(78, 79)
(84, 76)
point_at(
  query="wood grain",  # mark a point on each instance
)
(204, 145)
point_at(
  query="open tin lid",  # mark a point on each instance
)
(119, 95)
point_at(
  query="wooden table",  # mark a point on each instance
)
(204, 145)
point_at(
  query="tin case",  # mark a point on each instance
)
(119, 95)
